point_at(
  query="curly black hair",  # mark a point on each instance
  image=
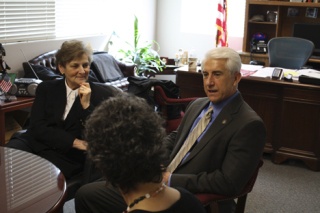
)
(125, 140)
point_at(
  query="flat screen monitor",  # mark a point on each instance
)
(310, 32)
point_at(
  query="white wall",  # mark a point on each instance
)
(172, 36)
(159, 20)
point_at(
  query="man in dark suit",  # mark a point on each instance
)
(60, 110)
(224, 156)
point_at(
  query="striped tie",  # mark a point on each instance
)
(192, 138)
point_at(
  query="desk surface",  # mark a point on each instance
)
(29, 183)
(20, 103)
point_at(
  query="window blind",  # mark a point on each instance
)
(26, 20)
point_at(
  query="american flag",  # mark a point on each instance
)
(221, 23)
(5, 83)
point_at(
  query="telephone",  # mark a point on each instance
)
(277, 73)
(259, 46)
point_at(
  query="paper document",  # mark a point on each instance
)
(250, 67)
(294, 73)
(310, 73)
(182, 68)
(264, 72)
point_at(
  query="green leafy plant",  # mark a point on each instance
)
(144, 57)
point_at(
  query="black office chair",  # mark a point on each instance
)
(289, 52)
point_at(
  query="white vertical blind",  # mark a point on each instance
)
(22, 20)
(30, 20)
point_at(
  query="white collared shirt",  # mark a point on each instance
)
(71, 97)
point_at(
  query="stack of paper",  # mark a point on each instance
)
(248, 69)
(264, 72)
(310, 73)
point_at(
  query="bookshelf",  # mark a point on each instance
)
(287, 12)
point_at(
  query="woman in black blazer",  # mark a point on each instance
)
(60, 110)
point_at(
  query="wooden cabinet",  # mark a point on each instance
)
(290, 111)
(20, 103)
(282, 26)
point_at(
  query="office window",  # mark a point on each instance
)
(30, 20)
(22, 20)
(101, 17)
(82, 18)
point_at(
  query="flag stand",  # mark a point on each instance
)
(5, 81)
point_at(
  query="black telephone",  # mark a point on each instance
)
(259, 46)
(277, 73)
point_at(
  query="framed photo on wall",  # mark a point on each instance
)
(292, 12)
(311, 12)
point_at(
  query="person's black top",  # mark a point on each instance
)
(187, 203)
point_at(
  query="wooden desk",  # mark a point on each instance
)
(20, 103)
(247, 57)
(29, 183)
(290, 111)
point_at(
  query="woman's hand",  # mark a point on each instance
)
(85, 94)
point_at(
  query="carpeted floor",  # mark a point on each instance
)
(286, 188)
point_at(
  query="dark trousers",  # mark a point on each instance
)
(70, 163)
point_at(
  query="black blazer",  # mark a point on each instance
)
(225, 158)
(47, 128)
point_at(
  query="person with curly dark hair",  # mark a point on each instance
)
(125, 140)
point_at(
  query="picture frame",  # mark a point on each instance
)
(311, 12)
(293, 12)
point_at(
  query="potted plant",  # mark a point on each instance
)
(144, 57)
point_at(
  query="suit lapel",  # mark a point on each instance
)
(60, 100)
(222, 121)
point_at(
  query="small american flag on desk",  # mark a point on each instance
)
(5, 82)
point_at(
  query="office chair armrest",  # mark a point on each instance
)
(162, 98)
(174, 101)
(207, 198)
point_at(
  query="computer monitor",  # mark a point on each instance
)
(308, 31)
